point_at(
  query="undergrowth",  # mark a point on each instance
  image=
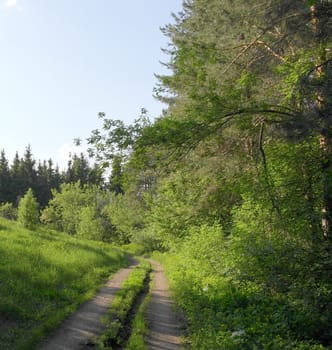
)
(44, 277)
(227, 309)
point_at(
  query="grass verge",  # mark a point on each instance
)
(124, 307)
(223, 314)
(44, 277)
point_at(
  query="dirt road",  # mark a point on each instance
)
(79, 330)
(85, 324)
(164, 327)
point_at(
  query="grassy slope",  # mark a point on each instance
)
(44, 276)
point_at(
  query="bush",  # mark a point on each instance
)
(90, 225)
(28, 214)
(148, 240)
(218, 282)
(8, 211)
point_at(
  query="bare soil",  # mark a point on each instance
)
(79, 330)
(164, 326)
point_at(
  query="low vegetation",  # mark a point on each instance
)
(229, 305)
(44, 277)
(139, 325)
(119, 320)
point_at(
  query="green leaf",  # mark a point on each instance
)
(310, 3)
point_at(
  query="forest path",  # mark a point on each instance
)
(85, 324)
(164, 327)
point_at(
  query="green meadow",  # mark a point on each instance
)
(45, 276)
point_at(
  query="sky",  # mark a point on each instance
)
(63, 61)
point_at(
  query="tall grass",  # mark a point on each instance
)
(45, 276)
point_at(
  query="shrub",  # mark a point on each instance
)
(90, 225)
(8, 211)
(28, 214)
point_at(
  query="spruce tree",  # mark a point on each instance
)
(5, 182)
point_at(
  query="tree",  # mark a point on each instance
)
(80, 170)
(116, 177)
(73, 206)
(28, 214)
(62, 212)
(16, 176)
(28, 170)
(43, 182)
(5, 180)
(115, 139)
(127, 215)
(262, 68)
(90, 225)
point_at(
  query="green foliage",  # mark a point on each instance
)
(116, 178)
(115, 140)
(44, 277)
(148, 240)
(133, 249)
(126, 214)
(81, 210)
(8, 211)
(80, 170)
(28, 213)
(229, 305)
(63, 210)
(90, 225)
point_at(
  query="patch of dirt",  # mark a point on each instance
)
(164, 326)
(79, 330)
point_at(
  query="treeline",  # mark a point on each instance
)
(43, 176)
(77, 200)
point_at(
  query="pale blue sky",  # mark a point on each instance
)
(63, 61)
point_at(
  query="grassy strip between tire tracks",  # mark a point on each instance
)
(139, 326)
(119, 320)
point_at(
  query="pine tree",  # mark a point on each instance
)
(17, 189)
(43, 184)
(5, 182)
(28, 170)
